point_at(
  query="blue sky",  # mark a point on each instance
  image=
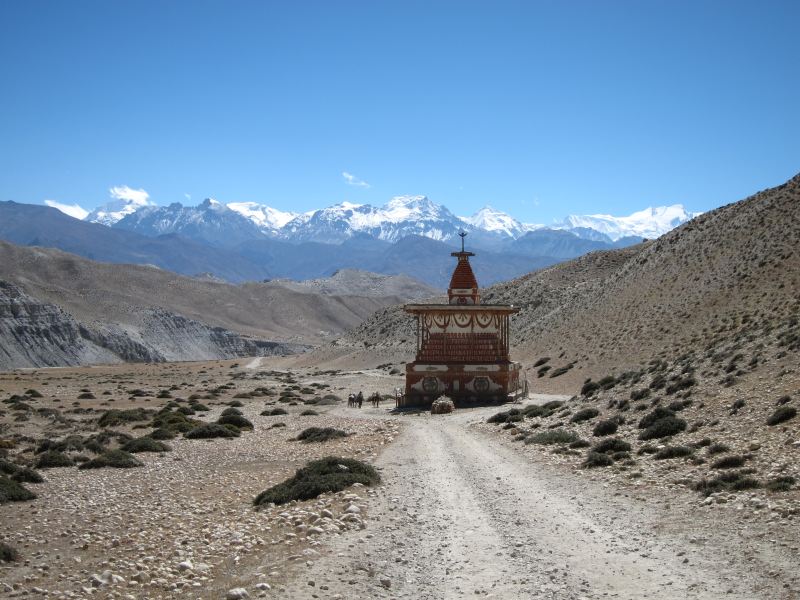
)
(540, 108)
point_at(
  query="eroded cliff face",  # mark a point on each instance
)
(39, 334)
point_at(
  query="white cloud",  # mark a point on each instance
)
(123, 192)
(188, 197)
(73, 210)
(351, 179)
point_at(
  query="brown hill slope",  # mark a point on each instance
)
(157, 314)
(729, 273)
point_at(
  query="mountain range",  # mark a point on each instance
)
(402, 216)
(237, 242)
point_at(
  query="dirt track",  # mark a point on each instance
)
(462, 513)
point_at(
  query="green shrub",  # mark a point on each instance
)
(580, 444)
(607, 427)
(235, 420)
(7, 553)
(210, 430)
(680, 384)
(12, 491)
(641, 394)
(320, 434)
(174, 421)
(162, 434)
(589, 388)
(505, 416)
(594, 460)
(538, 410)
(673, 452)
(330, 474)
(235, 403)
(185, 410)
(585, 414)
(114, 417)
(718, 449)
(781, 484)
(52, 459)
(611, 445)
(231, 411)
(663, 428)
(27, 475)
(145, 444)
(729, 462)
(277, 425)
(118, 459)
(309, 413)
(658, 414)
(781, 415)
(553, 436)
(200, 407)
(274, 412)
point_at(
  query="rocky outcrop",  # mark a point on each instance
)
(39, 334)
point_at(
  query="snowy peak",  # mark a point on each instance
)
(649, 223)
(264, 217)
(126, 201)
(495, 221)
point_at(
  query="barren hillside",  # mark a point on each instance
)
(58, 308)
(730, 274)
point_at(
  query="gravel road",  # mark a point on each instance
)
(462, 513)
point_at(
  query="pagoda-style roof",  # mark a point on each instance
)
(463, 278)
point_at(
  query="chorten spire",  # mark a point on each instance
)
(463, 285)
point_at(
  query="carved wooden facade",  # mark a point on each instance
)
(462, 346)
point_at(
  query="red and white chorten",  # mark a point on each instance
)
(462, 346)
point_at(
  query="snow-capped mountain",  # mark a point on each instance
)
(211, 221)
(126, 201)
(647, 223)
(265, 217)
(400, 217)
(495, 221)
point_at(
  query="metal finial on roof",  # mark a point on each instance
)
(462, 234)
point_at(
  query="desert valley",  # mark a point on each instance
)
(407, 300)
(655, 454)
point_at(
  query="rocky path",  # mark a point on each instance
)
(464, 514)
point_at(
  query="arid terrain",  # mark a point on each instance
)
(465, 508)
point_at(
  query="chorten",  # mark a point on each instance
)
(462, 346)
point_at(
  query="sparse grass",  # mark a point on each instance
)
(781, 415)
(320, 434)
(235, 420)
(53, 459)
(209, 431)
(330, 474)
(733, 480)
(174, 421)
(145, 444)
(734, 461)
(585, 414)
(607, 427)
(114, 417)
(162, 434)
(662, 428)
(781, 484)
(579, 444)
(595, 460)
(553, 436)
(117, 459)
(512, 415)
(718, 448)
(12, 491)
(669, 452)
(274, 412)
(611, 445)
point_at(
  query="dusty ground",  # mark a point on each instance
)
(463, 509)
